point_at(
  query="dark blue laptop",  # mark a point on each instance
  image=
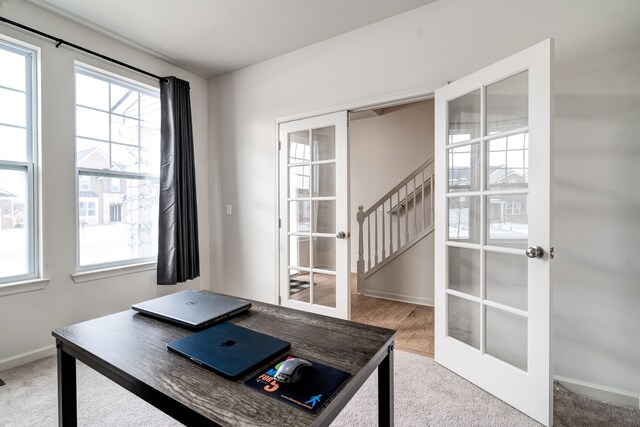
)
(229, 350)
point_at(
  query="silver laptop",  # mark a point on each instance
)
(194, 309)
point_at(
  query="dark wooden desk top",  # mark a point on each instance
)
(131, 349)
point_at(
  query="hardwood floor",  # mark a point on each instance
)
(324, 289)
(413, 322)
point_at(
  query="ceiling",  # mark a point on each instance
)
(212, 37)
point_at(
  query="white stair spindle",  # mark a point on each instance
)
(431, 191)
(375, 233)
(415, 209)
(406, 213)
(369, 242)
(398, 221)
(360, 282)
(424, 225)
(384, 254)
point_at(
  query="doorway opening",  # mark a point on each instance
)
(390, 151)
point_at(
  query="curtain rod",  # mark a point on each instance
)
(59, 42)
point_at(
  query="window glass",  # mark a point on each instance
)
(18, 157)
(118, 165)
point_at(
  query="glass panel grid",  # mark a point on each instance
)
(508, 162)
(117, 223)
(464, 165)
(18, 164)
(507, 104)
(312, 203)
(463, 320)
(464, 115)
(506, 337)
(117, 130)
(501, 164)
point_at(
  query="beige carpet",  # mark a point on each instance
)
(426, 395)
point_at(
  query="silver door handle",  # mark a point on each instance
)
(342, 235)
(535, 252)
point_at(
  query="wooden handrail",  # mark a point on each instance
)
(395, 189)
(415, 186)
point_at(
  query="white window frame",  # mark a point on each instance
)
(109, 173)
(31, 165)
(85, 183)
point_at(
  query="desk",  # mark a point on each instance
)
(131, 349)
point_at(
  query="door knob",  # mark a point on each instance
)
(535, 252)
(342, 235)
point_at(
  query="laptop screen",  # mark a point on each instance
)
(195, 309)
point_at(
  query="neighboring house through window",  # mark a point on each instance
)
(18, 163)
(118, 167)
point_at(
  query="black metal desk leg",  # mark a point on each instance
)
(385, 390)
(67, 406)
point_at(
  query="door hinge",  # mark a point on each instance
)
(279, 300)
(279, 145)
(279, 223)
(552, 253)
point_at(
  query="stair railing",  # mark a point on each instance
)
(398, 219)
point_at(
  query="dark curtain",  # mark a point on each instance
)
(178, 251)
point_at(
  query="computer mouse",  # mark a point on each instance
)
(292, 370)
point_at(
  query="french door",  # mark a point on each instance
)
(493, 136)
(314, 218)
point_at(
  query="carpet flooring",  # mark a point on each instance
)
(426, 394)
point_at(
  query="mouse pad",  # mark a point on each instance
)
(309, 394)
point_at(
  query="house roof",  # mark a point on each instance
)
(5, 193)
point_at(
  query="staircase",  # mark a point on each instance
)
(396, 222)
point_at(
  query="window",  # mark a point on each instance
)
(513, 208)
(115, 213)
(118, 155)
(85, 183)
(18, 164)
(115, 185)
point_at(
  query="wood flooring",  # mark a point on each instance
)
(413, 322)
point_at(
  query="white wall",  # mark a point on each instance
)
(383, 150)
(408, 278)
(596, 205)
(26, 319)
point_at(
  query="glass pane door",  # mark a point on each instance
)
(312, 216)
(492, 229)
(313, 200)
(488, 162)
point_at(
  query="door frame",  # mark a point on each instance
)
(386, 100)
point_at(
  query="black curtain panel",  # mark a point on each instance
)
(178, 250)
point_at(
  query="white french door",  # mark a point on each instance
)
(314, 217)
(492, 294)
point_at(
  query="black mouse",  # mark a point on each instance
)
(292, 370)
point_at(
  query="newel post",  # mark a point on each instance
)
(360, 218)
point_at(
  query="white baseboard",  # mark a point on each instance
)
(596, 391)
(398, 297)
(30, 356)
